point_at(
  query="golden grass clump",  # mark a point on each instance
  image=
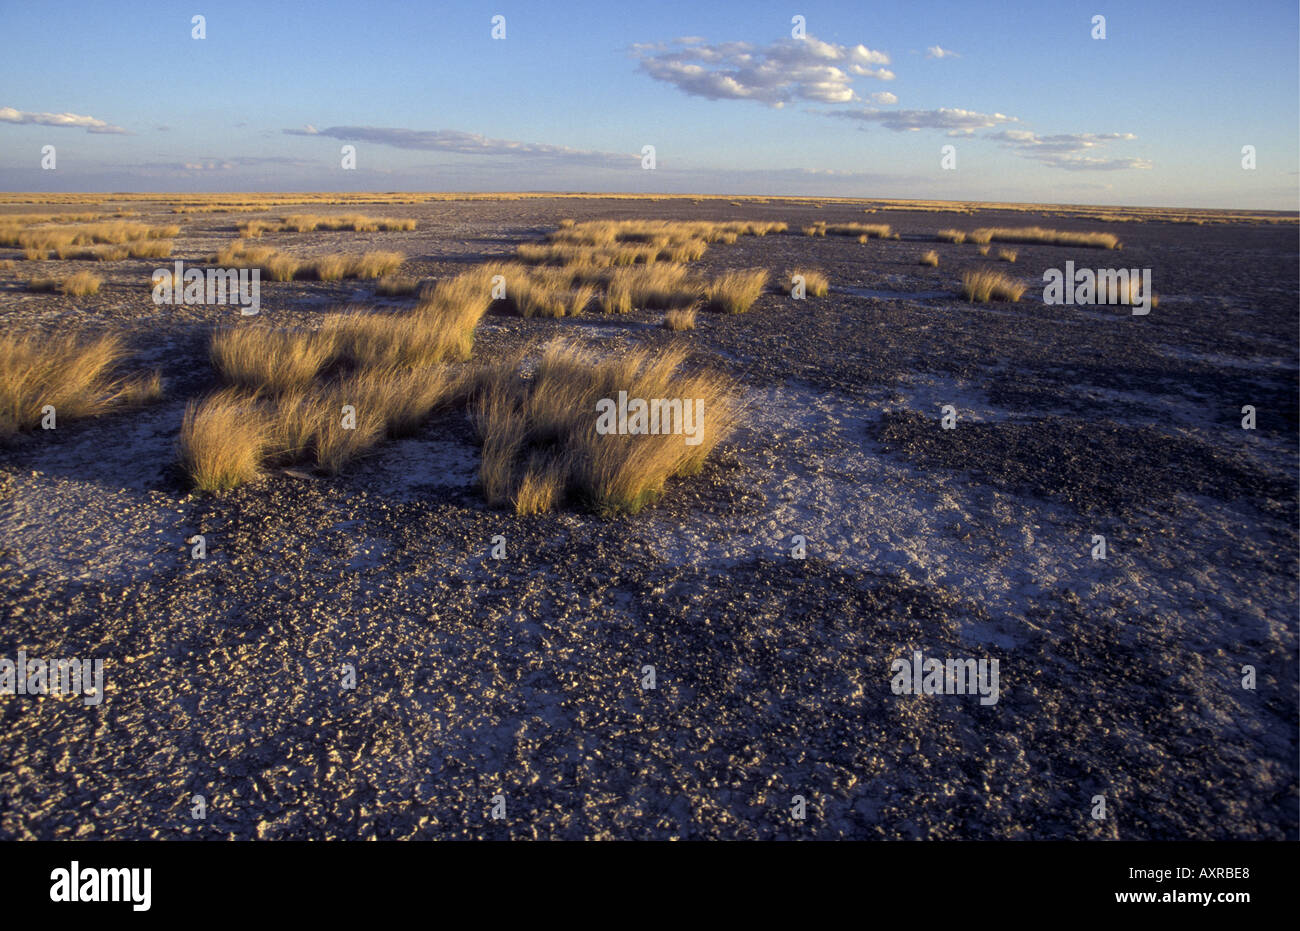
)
(988, 284)
(331, 267)
(954, 236)
(1007, 255)
(540, 490)
(863, 231)
(815, 283)
(259, 357)
(983, 250)
(223, 440)
(735, 292)
(308, 223)
(150, 249)
(1037, 234)
(343, 419)
(64, 241)
(80, 284)
(931, 258)
(542, 435)
(681, 319)
(253, 229)
(391, 341)
(279, 266)
(375, 264)
(68, 372)
(659, 287)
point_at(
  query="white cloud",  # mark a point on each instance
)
(62, 120)
(775, 74)
(884, 97)
(955, 121)
(938, 51)
(1066, 150)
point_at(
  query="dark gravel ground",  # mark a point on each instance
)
(521, 677)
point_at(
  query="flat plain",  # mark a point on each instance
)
(523, 677)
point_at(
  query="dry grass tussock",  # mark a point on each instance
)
(660, 287)
(279, 266)
(80, 284)
(1037, 235)
(83, 241)
(682, 319)
(989, 285)
(863, 231)
(931, 258)
(540, 440)
(327, 396)
(311, 222)
(71, 373)
(735, 292)
(815, 283)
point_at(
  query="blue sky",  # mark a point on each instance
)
(1035, 107)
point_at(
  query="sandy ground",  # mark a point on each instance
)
(521, 677)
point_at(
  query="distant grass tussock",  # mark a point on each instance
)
(70, 242)
(279, 266)
(310, 223)
(1007, 255)
(986, 285)
(80, 284)
(70, 373)
(1037, 234)
(815, 283)
(863, 231)
(953, 236)
(931, 258)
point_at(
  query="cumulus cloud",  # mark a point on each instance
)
(955, 121)
(61, 120)
(775, 74)
(938, 51)
(1069, 150)
(884, 97)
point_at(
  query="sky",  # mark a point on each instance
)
(855, 99)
